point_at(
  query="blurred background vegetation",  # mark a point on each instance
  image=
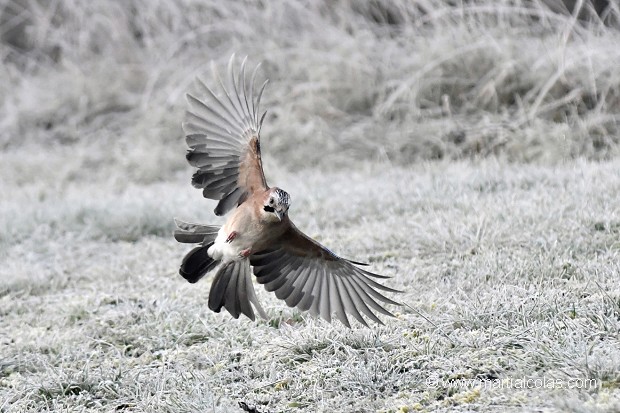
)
(95, 90)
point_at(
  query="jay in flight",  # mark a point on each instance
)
(223, 135)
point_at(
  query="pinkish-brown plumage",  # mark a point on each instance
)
(223, 135)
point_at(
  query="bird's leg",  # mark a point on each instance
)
(231, 236)
(245, 253)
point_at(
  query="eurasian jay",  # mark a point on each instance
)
(222, 133)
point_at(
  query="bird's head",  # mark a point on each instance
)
(276, 205)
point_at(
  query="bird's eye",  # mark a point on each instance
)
(269, 209)
(271, 201)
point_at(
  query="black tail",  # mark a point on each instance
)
(197, 263)
(232, 289)
(232, 286)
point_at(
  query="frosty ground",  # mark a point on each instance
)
(507, 272)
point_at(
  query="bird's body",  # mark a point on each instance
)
(223, 136)
(251, 231)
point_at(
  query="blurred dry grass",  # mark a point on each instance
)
(504, 235)
(398, 79)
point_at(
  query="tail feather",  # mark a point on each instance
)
(232, 286)
(232, 289)
(242, 293)
(197, 263)
(188, 233)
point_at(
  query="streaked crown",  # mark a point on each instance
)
(281, 197)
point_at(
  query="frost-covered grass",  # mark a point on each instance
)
(508, 272)
(468, 149)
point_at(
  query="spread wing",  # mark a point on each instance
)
(223, 136)
(310, 277)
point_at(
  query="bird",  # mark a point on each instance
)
(222, 131)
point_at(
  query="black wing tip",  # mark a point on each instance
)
(192, 157)
(251, 316)
(221, 208)
(364, 323)
(347, 324)
(365, 264)
(381, 323)
(374, 275)
(198, 179)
